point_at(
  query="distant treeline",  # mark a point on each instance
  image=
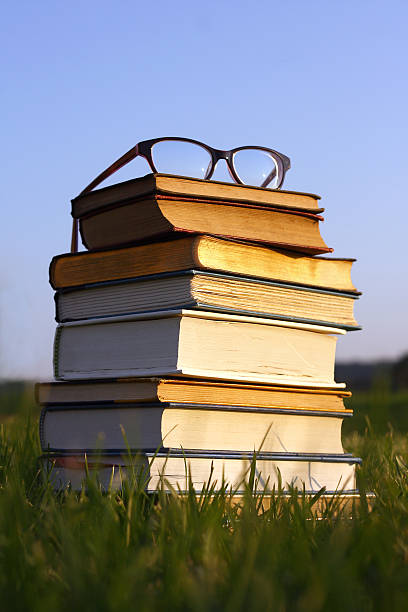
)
(361, 376)
(17, 396)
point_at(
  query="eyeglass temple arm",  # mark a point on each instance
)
(119, 163)
(269, 178)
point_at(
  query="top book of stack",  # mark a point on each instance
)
(159, 206)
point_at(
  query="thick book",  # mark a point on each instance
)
(193, 391)
(159, 216)
(177, 470)
(196, 343)
(205, 253)
(172, 185)
(210, 291)
(118, 428)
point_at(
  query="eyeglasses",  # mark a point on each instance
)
(250, 165)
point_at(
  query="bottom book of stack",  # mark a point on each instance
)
(174, 431)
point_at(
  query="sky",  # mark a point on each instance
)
(323, 82)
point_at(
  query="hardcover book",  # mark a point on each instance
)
(193, 391)
(182, 186)
(117, 428)
(199, 344)
(201, 253)
(210, 291)
(174, 470)
(159, 216)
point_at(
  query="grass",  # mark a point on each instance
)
(126, 550)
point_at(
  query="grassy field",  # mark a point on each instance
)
(124, 550)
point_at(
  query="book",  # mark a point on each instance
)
(210, 291)
(175, 470)
(193, 391)
(196, 343)
(201, 252)
(159, 216)
(134, 427)
(170, 184)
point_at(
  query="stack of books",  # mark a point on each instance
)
(199, 327)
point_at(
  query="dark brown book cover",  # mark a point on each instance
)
(159, 216)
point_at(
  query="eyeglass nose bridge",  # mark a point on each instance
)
(216, 156)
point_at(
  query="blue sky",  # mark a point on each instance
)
(323, 82)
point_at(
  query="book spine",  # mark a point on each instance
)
(41, 428)
(56, 347)
(51, 271)
(56, 306)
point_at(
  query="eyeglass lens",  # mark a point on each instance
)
(254, 167)
(180, 157)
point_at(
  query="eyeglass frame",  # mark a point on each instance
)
(144, 149)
